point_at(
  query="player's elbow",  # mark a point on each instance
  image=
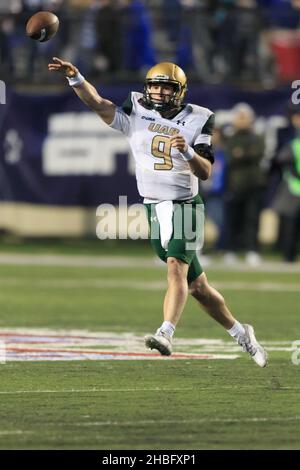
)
(205, 174)
(201, 174)
(201, 167)
(204, 171)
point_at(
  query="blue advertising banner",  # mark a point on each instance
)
(54, 151)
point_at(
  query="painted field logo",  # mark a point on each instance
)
(2, 352)
(50, 345)
(2, 92)
(296, 353)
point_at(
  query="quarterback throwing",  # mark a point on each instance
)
(171, 144)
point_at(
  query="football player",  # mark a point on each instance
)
(171, 144)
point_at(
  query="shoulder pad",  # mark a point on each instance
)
(205, 113)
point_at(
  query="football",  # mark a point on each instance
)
(42, 26)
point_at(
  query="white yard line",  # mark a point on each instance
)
(93, 390)
(159, 422)
(188, 421)
(77, 260)
(12, 433)
(141, 285)
(142, 389)
(133, 262)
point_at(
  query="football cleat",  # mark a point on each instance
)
(160, 341)
(250, 345)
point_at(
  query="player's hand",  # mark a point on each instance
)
(66, 68)
(178, 142)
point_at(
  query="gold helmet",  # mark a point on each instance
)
(167, 73)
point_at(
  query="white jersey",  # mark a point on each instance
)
(161, 172)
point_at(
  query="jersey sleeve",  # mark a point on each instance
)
(205, 151)
(203, 135)
(121, 122)
(122, 119)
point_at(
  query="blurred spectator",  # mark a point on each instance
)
(21, 57)
(213, 40)
(244, 26)
(220, 12)
(87, 46)
(100, 43)
(281, 14)
(10, 6)
(282, 21)
(38, 54)
(287, 200)
(9, 35)
(195, 47)
(138, 52)
(108, 34)
(171, 14)
(287, 133)
(221, 39)
(245, 184)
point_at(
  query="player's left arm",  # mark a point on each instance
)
(200, 165)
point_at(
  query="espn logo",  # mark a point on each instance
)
(2, 92)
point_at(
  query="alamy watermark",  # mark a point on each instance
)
(296, 94)
(2, 92)
(185, 221)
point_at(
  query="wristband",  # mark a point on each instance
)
(189, 154)
(77, 80)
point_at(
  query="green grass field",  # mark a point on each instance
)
(148, 404)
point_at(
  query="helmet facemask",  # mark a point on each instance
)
(171, 101)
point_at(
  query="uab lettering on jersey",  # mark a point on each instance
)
(161, 129)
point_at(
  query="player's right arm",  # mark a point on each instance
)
(86, 91)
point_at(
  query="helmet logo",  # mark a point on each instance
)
(162, 77)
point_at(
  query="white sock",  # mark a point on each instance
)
(168, 328)
(236, 330)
